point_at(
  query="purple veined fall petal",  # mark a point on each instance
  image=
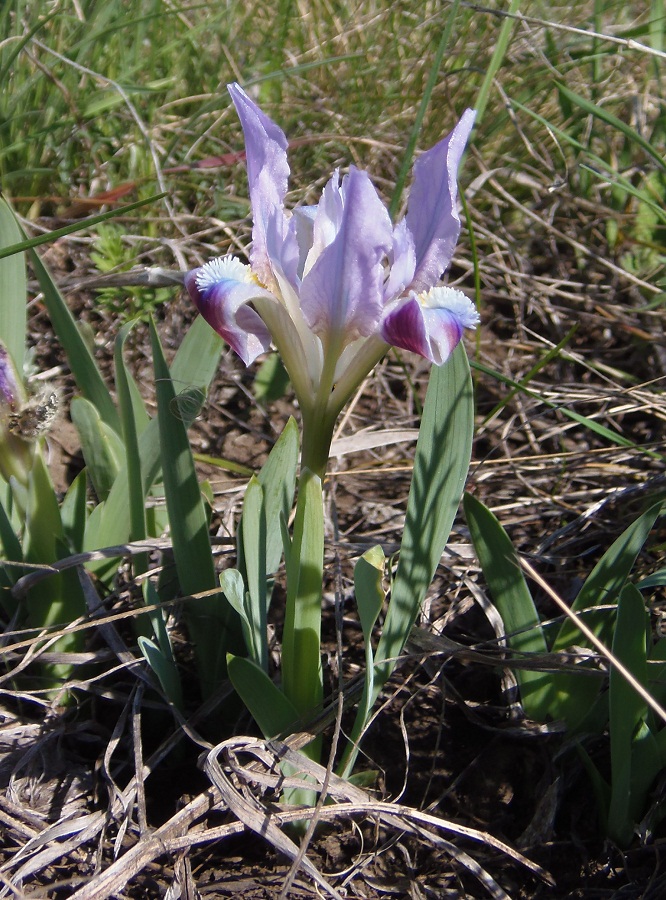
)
(342, 293)
(221, 290)
(432, 215)
(430, 324)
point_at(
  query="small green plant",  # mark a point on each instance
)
(113, 254)
(613, 614)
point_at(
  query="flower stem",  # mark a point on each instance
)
(317, 436)
(301, 654)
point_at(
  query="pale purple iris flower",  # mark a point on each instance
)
(16, 452)
(333, 285)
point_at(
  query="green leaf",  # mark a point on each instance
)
(600, 787)
(43, 525)
(657, 672)
(231, 582)
(227, 464)
(208, 618)
(11, 546)
(164, 668)
(195, 364)
(301, 660)
(271, 381)
(514, 602)
(604, 583)
(443, 453)
(59, 599)
(254, 560)
(270, 708)
(11, 550)
(189, 529)
(133, 419)
(14, 290)
(102, 447)
(369, 590)
(657, 579)
(627, 709)
(74, 512)
(370, 596)
(278, 481)
(576, 693)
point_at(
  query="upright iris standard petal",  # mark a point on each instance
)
(432, 215)
(221, 291)
(430, 324)
(342, 294)
(268, 177)
(402, 262)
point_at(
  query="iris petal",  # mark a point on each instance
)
(432, 216)
(221, 291)
(430, 325)
(268, 176)
(403, 262)
(11, 392)
(342, 294)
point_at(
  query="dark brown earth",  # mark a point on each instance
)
(448, 740)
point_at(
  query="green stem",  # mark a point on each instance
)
(318, 418)
(301, 642)
(317, 436)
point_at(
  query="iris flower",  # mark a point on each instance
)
(333, 285)
(16, 452)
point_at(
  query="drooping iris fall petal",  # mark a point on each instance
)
(430, 324)
(221, 291)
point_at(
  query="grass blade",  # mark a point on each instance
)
(499, 53)
(600, 113)
(408, 155)
(14, 289)
(50, 236)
